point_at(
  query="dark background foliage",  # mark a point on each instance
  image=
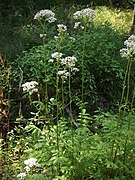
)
(14, 14)
(104, 70)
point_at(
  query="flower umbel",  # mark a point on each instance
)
(85, 15)
(69, 61)
(46, 14)
(57, 55)
(27, 168)
(62, 32)
(78, 24)
(61, 27)
(129, 51)
(42, 35)
(63, 74)
(30, 87)
(31, 162)
(21, 175)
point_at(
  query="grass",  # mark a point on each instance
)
(120, 20)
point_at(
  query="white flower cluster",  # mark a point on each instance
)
(51, 60)
(61, 27)
(42, 35)
(85, 15)
(62, 31)
(31, 162)
(52, 100)
(69, 61)
(63, 74)
(46, 14)
(78, 24)
(129, 51)
(21, 175)
(57, 55)
(30, 87)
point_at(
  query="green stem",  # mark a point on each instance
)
(126, 102)
(71, 116)
(133, 97)
(83, 55)
(126, 141)
(63, 97)
(44, 27)
(57, 101)
(82, 63)
(70, 96)
(57, 81)
(45, 71)
(128, 84)
(123, 92)
(126, 78)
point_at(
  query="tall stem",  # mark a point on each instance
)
(126, 79)
(71, 116)
(128, 84)
(57, 100)
(123, 92)
(46, 86)
(133, 97)
(63, 97)
(126, 102)
(83, 55)
(44, 26)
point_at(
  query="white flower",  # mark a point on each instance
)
(63, 61)
(85, 15)
(123, 52)
(30, 87)
(63, 73)
(52, 99)
(129, 51)
(56, 55)
(31, 162)
(42, 35)
(70, 61)
(77, 15)
(21, 175)
(27, 168)
(61, 27)
(75, 69)
(51, 60)
(77, 24)
(82, 27)
(51, 19)
(56, 37)
(46, 14)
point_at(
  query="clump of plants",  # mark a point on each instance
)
(103, 66)
(57, 138)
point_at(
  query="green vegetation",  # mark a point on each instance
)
(67, 94)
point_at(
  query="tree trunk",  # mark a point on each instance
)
(111, 3)
(132, 31)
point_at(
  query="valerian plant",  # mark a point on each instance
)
(84, 17)
(55, 142)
